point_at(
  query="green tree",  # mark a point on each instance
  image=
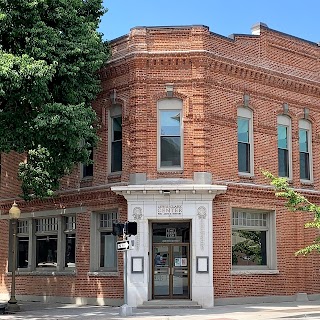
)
(297, 202)
(50, 52)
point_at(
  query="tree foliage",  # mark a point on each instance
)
(297, 202)
(50, 52)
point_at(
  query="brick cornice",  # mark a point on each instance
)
(235, 68)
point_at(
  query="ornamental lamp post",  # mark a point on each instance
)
(14, 215)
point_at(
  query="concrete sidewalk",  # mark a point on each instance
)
(266, 311)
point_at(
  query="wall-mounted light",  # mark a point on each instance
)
(169, 90)
(113, 96)
(166, 192)
(285, 107)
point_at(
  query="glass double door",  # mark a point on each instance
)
(171, 272)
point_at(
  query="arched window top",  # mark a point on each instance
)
(304, 124)
(170, 103)
(244, 112)
(115, 110)
(284, 120)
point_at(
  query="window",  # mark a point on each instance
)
(22, 244)
(46, 243)
(253, 239)
(245, 144)
(284, 147)
(104, 258)
(170, 145)
(305, 150)
(87, 169)
(115, 136)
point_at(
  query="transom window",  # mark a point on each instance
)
(253, 239)
(245, 138)
(170, 134)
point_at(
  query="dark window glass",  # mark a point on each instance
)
(283, 162)
(116, 144)
(108, 253)
(243, 157)
(88, 169)
(304, 155)
(170, 152)
(249, 248)
(46, 251)
(243, 145)
(304, 166)
(22, 254)
(70, 256)
(171, 232)
(170, 138)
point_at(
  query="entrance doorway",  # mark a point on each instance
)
(171, 260)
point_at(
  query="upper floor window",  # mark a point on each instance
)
(284, 147)
(87, 169)
(245, 141)
(305, 150)
(115, 136)
(170, 137)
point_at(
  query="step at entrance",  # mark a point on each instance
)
(170, 304)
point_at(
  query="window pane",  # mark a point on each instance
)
(116, 156)
(117, 128)
(243, 130)
(170, 122)
(282, 137)
(70, 257)
(46, 248)
(170, 151)
(243, 157)
(283, 162)
(249, 248)
(108, 253)
(304, 166)
(88, 169)
(23, 245)
(303, 140)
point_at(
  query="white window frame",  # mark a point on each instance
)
(270, 229)
(247, 113)
(306, 125)
(114, 112)
(285, 121)
(32, 233)
(169, 104)
(95, 244)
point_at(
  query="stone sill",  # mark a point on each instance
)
(102, 274)
(253, 272)
(43, 273)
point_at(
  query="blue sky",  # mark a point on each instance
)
(296, 17)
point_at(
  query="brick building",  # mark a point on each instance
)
(189, 119)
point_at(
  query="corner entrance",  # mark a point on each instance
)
(171, 260)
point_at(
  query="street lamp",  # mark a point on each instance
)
(14, 215)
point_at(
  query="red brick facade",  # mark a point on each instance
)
(211, 74)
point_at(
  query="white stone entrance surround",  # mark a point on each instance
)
(164, 202)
